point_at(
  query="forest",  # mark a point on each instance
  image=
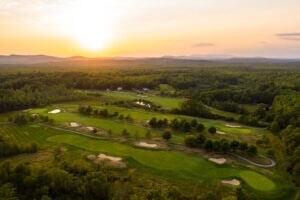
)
(264, 96)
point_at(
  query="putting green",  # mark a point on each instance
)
(257, 181)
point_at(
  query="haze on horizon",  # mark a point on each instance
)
(265, 28)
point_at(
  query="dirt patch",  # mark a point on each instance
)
(74, 124)
(221, 132)
(219, 161)
(234, 182)
(232, 126)
(55, 111)
(147, 145)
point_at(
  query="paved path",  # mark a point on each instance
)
(71, 131)
(272, 162)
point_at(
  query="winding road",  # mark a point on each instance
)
(272, 162)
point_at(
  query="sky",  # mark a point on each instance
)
(95, 28)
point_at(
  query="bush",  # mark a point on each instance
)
(212, 130)
(167, 135)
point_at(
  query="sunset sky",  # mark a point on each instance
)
(269, 28)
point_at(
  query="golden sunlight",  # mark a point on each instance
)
(90, 24)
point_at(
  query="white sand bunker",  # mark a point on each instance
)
(221, 132)
(90, 128)
(144, 144)
(231, 182)
(140, 103)
(74, 124)
(232, 126)
(111, 158)
(219, 161)
(54, 111)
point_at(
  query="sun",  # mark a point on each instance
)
(90, 24)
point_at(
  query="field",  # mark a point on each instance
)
(168, 162)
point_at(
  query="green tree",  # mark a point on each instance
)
(167, 135)
(212, 130)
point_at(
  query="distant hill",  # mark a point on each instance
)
(35, 59)
(28, 59)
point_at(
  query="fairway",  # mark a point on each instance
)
(140, 116)
(168, 163)
(166, 102)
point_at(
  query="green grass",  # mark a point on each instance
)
(165, 163)
(168, 163)
(166, 102)
(223, 113)
(140, 116)
(257, 181)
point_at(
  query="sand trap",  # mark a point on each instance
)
(232, 182)
(111, 158)
(232, 126)
(91, 157)
(90, 128)
(219, 161)
(55, 111)
(140, 103)
(144, 144)
(74, 124)
(27, 110)
(221, 132)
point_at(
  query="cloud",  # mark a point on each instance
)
(295, 36)
(288, 34)
(204, 45)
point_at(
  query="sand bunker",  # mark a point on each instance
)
(140, 103)
(55, 111)
(90, 128)
(111, 158)
(219, 161)
(221, 132)
(74, 124)
(144, 144)
(232, 126)
(91, 157)
(232, 182)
